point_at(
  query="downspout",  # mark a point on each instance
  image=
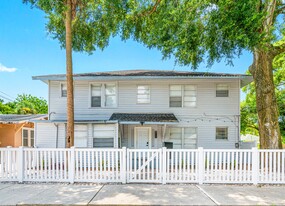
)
(238, 132)
(65, 135)
(56, 138)
(238, 117)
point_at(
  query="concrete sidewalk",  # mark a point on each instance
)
(139, 194)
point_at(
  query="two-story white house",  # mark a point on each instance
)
(145, 109)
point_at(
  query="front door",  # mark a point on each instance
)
(142, 137)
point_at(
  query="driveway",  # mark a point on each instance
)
(139, 194)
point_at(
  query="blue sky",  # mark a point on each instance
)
(26, 50)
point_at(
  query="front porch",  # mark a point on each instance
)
(144, 130)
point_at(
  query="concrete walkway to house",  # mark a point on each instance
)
(140, 194)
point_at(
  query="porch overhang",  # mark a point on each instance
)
(144, 118)
(77, 121)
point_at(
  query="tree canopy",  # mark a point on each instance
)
(198, 30)
(193, 31)
(24, 104)
(93, 22)
(211, 30)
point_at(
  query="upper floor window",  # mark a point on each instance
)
(182, 96)
(28, 137)
(222, 90)
(63, 90)
(143, 94)
(221, 133)
(103, 95)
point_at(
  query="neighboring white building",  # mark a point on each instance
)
(145, 109)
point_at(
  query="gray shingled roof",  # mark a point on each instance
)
(146, 74)
(17, 118)
(143, 117)
(164, 73)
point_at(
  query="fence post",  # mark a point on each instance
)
(9, 162)
(71, 170)
(20, 164)
(163, 176)
(255, 165)
(128, 167)
(201, 166)
(123, 168)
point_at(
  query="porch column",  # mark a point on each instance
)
(116, 141)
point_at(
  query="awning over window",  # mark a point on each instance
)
(144, 118)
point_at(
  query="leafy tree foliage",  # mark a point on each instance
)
(93, 22)
(211, 30)
(193, 31)
(25, 104)
(80, 25)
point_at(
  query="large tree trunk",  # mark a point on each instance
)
(69, 76)
(266, 104)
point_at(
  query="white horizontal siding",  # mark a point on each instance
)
(207, 102)
(61, 136)
(45, 135)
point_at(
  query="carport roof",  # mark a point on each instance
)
(17, 118)
(144, 117)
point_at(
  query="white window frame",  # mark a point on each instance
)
(224, 84)
(222, 127)
(182, 92)
(82, 139)
(60, 89)
(115, 139)
(149, 100)
(183, 135)
(29, 136)
(103, 96)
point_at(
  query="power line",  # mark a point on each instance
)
(10, 100)
(7, 95)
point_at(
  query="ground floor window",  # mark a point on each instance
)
(183, 137)
(80, 135)
(28, 137)
(103, 136)
(222, 133)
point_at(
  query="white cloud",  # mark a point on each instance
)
(6, 69)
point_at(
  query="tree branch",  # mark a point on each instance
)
(278, 49)
(152, 10)
(253, 127)
(280, 10)
(270, 8)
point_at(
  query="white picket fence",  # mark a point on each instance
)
(147, 166)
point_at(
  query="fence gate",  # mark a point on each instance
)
(144, 165)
